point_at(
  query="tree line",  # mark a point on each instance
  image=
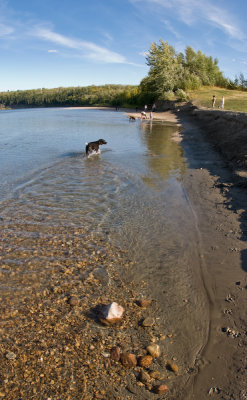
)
(106, 95)
(170, 76)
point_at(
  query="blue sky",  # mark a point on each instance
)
(52, 43)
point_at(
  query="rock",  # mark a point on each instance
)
(144, 377)
(128, 360)
(154, 350)
(145, 361)
(171, 366)
(160, 389)
(157, 375)
(102, 276)
(111, 314)
(144, 303)
(11, 356)
(115, 353)
(73, 301)
(147, 322)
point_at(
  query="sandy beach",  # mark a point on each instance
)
(56, 344)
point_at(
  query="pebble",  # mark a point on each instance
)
(171, 366)
(144, 377)
(160, 389)
(154, 350)
(128, 360)
(147, 322)
(73, 301)
(11, 356)
(157, 375)
(145, 361)
(111, 314)
(115, 353)
(144, 303)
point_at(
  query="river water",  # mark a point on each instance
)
(133, 192)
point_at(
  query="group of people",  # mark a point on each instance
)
(222, 103)
(144, 113)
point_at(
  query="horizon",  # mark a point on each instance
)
(48, 46)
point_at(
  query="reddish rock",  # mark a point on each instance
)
(160, 389)
(128, 360)
(145, 361)
(144, 303)
(115, 353)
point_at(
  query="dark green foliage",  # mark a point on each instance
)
(107, 95)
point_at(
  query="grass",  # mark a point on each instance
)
(235, 100)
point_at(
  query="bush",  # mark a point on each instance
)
(169, 95)
(181, 95)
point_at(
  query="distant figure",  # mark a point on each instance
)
(145, 108)
(151, 115)
(143, 115)
(222, 103)
(153, 107)
(213, 101)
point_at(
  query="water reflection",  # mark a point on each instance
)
(165, 156)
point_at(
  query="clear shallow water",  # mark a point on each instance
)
(133, 191)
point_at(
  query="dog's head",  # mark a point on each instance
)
(102, 141)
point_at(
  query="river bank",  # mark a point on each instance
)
(215, 146)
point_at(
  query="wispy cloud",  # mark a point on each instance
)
(192, 11)
(5, 30)
(84, 48)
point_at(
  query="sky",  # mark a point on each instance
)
(62, 43)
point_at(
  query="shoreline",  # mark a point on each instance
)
(55, 339)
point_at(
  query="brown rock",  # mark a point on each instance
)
(144, 377)
(128, 360)
(144, 303)
(73, 301)
(157, 375)
(145, 361)
(115, 353)
(160, 389)
(171, 366)
(147, 322)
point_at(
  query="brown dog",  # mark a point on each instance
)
(93, 147)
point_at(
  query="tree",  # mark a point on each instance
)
(165, 70)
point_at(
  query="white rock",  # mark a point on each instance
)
(112, 313)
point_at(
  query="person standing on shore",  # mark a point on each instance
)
(213, 101)
(222, 103)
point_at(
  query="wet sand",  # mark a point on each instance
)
(53, 344)
(215, 146)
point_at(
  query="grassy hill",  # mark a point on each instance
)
(235, 100)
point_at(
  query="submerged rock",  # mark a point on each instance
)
(115, 353)
(128, 360)
(154, 350)
(145, 361)
(171, 366)
(160, 389)
(144, 303)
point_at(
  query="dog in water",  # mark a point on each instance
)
(93, 147)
